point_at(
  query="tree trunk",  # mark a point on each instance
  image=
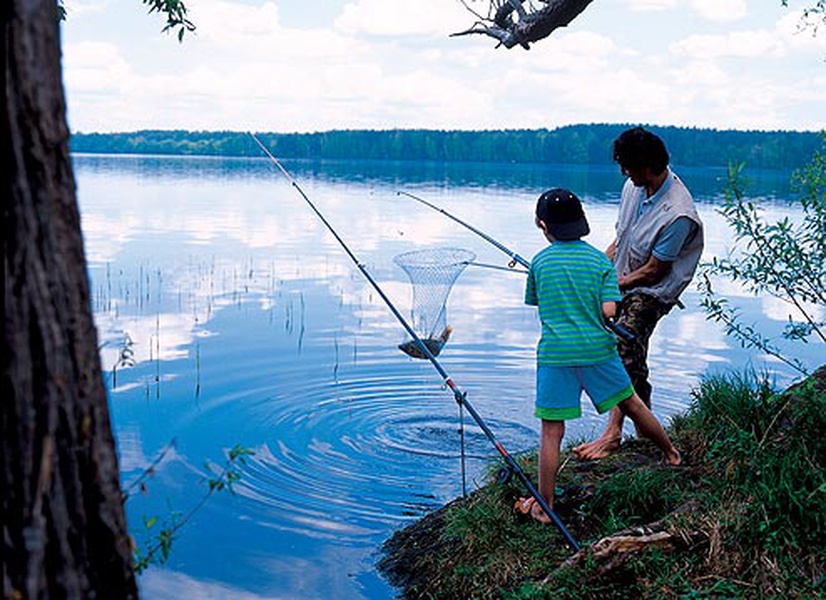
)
(64, 530)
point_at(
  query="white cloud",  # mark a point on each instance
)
(391, 64)
(80, 7)
(403, 18)
(164, 584)
(649, 5)
(581, 46)
(782, 310)
(246, 33)
(744, 44)
(231, 21)
(717, 10)
(702, 73)
(95, 67)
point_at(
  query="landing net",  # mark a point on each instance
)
(432, 273)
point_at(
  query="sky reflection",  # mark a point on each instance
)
(244, 322)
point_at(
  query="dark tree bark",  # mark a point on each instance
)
(528, 26)
(64, 530)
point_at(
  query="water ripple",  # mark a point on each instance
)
(353, 456)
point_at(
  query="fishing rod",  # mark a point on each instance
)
(515, 258)
(616, 328)
(458, 395)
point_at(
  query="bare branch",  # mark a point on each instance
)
(530, 25)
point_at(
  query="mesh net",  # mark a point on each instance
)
(432, 273)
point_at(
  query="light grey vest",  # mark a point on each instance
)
(636, 240)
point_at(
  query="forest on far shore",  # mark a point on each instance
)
(574, 144)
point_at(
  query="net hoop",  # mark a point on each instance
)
(436, 258)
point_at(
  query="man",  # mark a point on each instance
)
(656, 251)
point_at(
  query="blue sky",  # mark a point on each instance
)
(293, 65)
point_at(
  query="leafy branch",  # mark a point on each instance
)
(176, 15)
(813, 17)
(158, 549)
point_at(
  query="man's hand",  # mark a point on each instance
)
(650, 273)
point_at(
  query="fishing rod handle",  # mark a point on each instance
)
(620, 330)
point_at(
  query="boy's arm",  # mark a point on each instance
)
(611, 251)
(609, 309)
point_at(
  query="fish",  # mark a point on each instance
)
(433, 345)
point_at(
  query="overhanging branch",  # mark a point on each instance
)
(530, 24)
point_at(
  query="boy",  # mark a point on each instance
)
(575, 287)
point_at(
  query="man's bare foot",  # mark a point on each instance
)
(600, 448)
(538, 515)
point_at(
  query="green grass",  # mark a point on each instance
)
(746, 512)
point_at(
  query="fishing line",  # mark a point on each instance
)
(458, 395)
(616, 328)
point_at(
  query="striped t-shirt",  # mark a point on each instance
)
(569, 281)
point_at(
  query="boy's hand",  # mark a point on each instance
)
(609, 310)
(620, 330)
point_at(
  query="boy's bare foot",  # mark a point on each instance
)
(600, 448)
(673, 459)
(538, 515)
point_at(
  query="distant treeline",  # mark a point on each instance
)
(575, 144)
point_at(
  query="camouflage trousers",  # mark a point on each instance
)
(639, 313)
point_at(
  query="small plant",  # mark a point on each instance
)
(126, 358)
(157, 549)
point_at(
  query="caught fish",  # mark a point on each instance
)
(434, 345)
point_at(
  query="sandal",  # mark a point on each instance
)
(523, 506)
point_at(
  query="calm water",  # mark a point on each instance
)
(245, 323)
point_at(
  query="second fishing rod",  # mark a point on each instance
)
(458, 395)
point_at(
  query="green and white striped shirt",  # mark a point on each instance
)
(569, 281)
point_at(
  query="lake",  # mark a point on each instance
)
(229, 315)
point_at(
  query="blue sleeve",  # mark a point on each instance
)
(671, 240)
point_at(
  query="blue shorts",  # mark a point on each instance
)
(559, 388)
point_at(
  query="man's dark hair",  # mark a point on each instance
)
(637, 148)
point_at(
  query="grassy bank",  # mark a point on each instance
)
(744, 517)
